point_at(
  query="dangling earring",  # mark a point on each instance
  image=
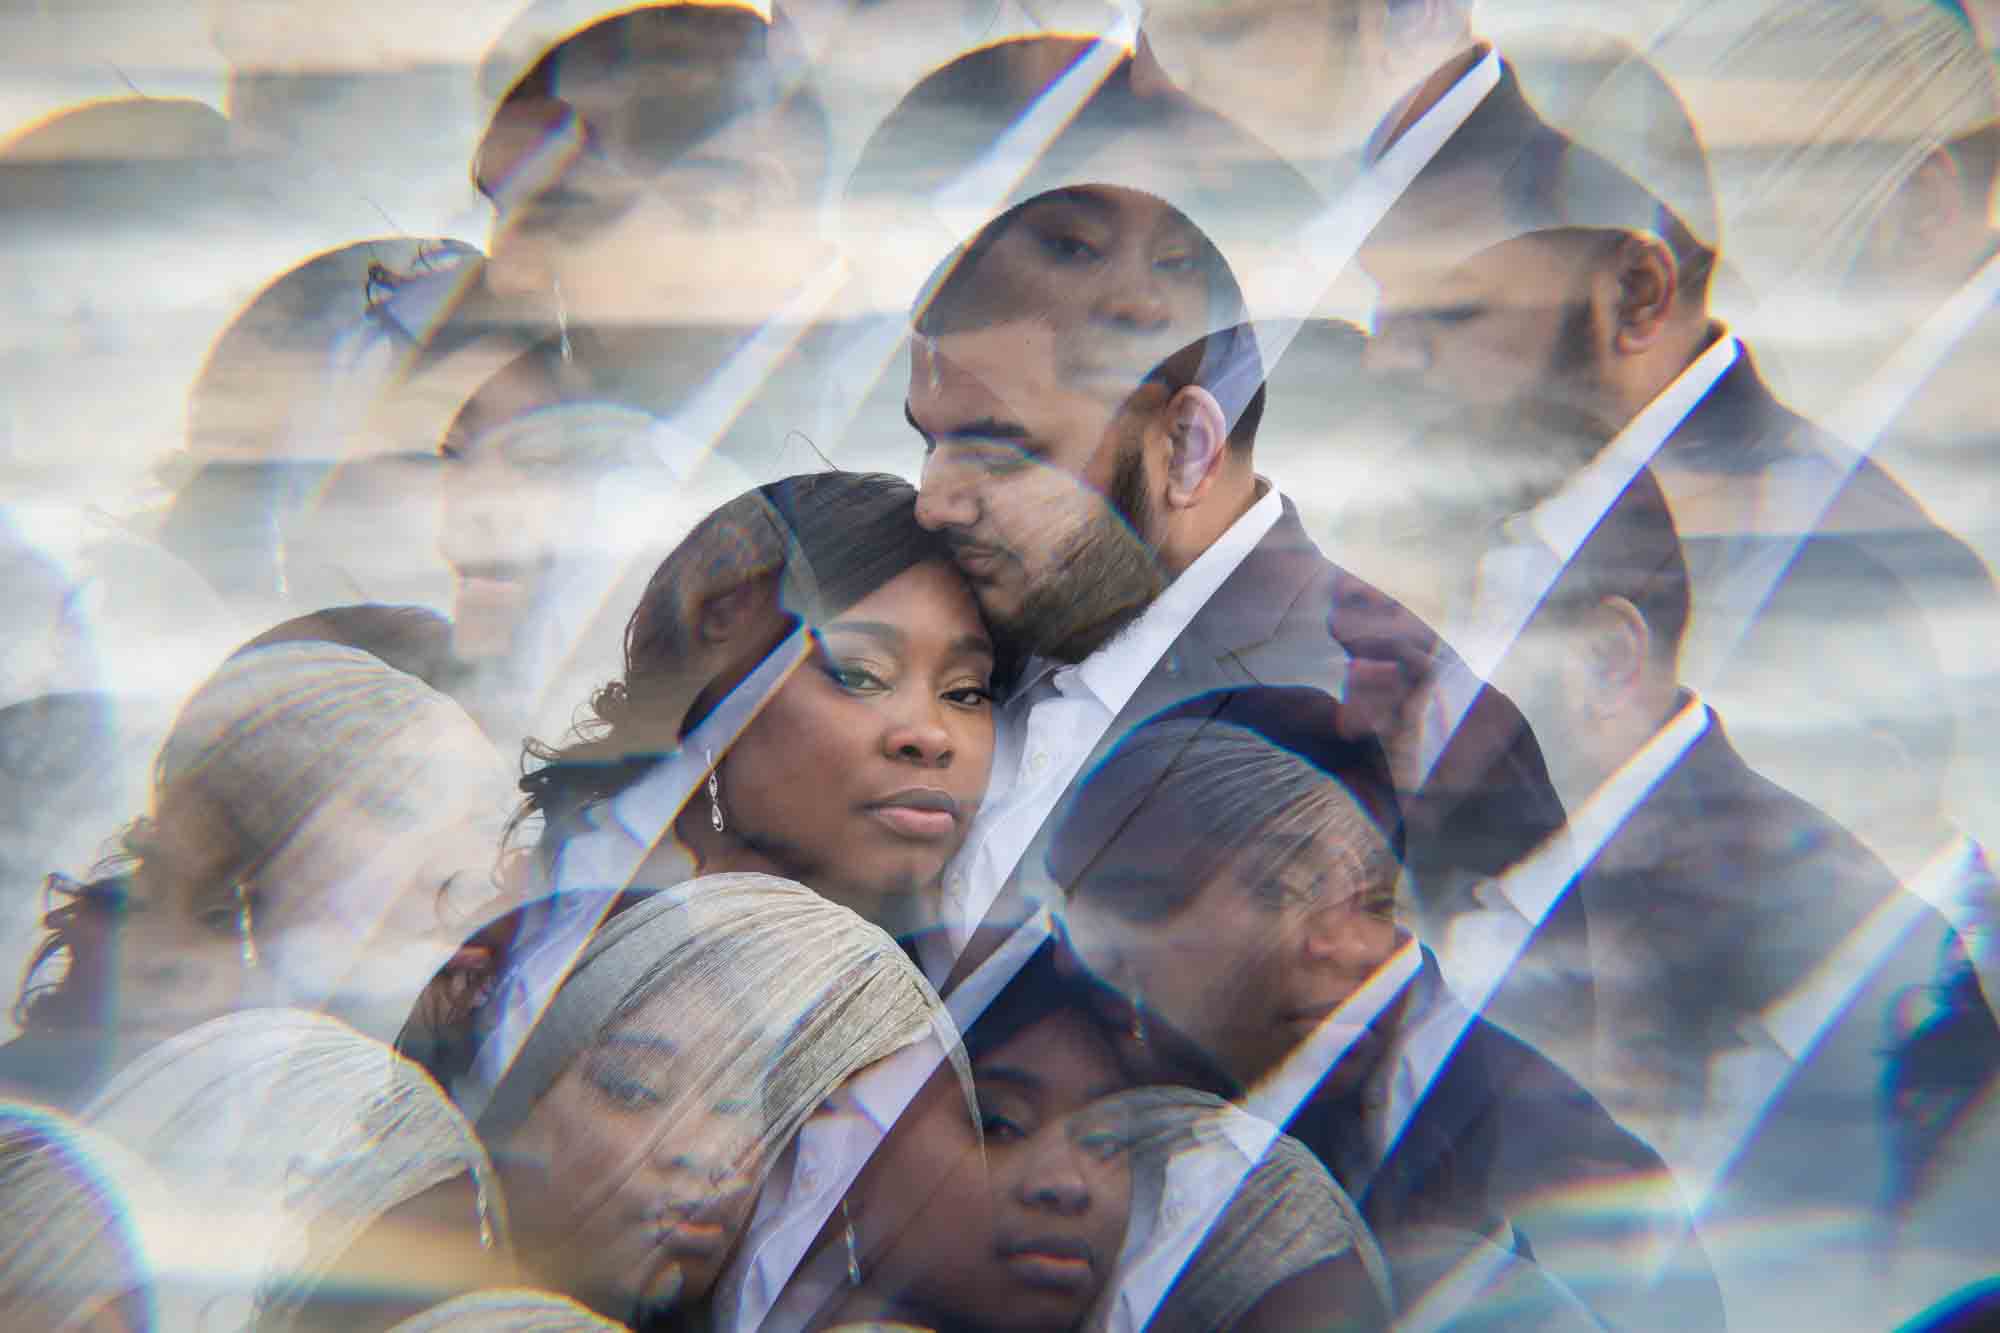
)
(244, 925)
(562, 322)
(714, 793)
(931, 356)
(853, 1252)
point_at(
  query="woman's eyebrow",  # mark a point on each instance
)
(874, 629)
(641, 1041)
(972, 645)
(1023, 1079)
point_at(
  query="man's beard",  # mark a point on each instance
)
(1103, 576)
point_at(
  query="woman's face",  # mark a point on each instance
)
(861, 776)
(631, 1181)
(183, 951)
(1032, 1245)
(1062, 1184)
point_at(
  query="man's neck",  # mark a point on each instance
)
(1221, 512)
(1656, 373)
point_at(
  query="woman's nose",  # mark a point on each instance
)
(920, 735)
(1052, 1177)
(1132, 300)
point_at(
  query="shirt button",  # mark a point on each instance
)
(1037, 762)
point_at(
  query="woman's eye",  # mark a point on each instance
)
(222, 920)
(1104, 1147)
(1068, 247)
(1176, 263)
(857, 680)
(998, 1128)
(971, 696)
(624, 1092)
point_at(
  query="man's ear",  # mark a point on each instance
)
(1617, 645)
(1197, 434)
(1642, 292)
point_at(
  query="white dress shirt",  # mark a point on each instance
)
(1050, 725)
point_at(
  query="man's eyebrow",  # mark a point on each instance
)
(987, 428)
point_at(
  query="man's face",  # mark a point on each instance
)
(620, 245)
(1290, 71)
(1257, 959)
(1507, 327)
(1034, 467)
(1041, 487)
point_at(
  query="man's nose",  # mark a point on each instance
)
(1398, 348)
(946, 497)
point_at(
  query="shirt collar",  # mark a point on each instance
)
(1114, 672)
(1567, 518)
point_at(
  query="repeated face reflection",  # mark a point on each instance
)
(1260, 955)
(1302, 75)
(1062, 1182)
(862, 774)
(593, 222)
(631, 1180)
(1122, 277)
(1029, 1241)
(1506, 326)
(184, 948)
(501, 517)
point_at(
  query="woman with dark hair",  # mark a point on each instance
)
(858, 776)
(1104, 1205)
(321, 832)
(631, 158)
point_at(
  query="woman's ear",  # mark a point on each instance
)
(1197, 436)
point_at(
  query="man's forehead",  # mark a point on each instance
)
(1418, 275)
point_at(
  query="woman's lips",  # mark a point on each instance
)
(920, 814)
(1054, 1263)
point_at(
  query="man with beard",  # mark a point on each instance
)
(1092, 468)
(1520, 271)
